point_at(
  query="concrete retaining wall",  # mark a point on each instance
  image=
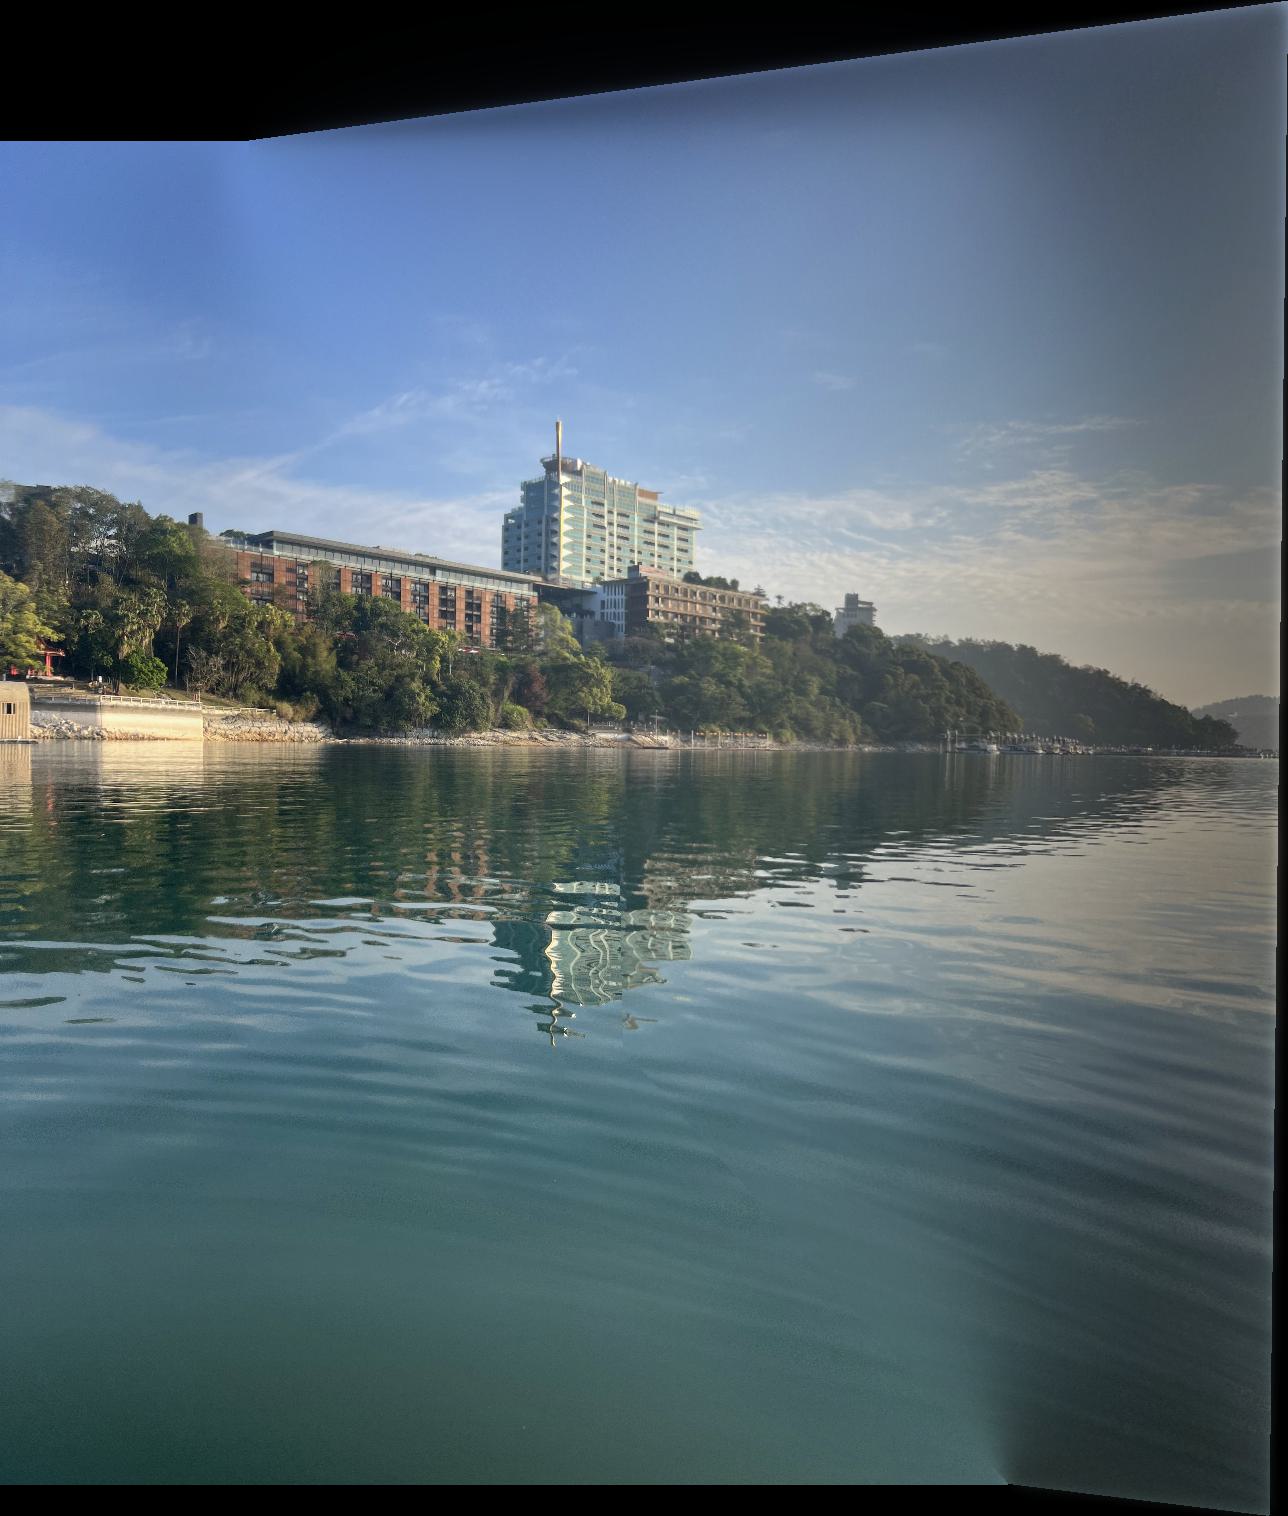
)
(116, 716)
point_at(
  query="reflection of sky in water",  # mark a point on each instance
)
(951, 1077)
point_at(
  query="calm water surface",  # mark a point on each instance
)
(384, 1115)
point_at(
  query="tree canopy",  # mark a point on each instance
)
(21, 630)
(803, 682)
(1054, 698)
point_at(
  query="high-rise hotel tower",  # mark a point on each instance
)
(580, 525)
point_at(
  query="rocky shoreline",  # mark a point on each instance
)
(272, 729)
(256, 727)
(252, 728)
(60, 730)
(267, 728)
(552, 738)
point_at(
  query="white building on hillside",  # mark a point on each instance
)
(854, 612)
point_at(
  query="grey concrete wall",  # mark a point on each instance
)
(126, 718)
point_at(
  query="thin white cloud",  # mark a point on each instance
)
(464, 399)
(1088, 568)
(179, 343)
(253, 494)
(989, 437)
(467, 399)
(830, 381)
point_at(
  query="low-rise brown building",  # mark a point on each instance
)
(651, 597)
(484, 606)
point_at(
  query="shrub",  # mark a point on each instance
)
(464, 707)
(141, 671)
(303, 709)
(515, 718)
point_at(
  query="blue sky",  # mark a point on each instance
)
(991, 334)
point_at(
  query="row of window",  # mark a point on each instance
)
(538, 510)
(481, 581)
(473, 620)
(362, 582)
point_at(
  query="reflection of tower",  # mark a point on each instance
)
(598, 953)
(555, 1026)
(590, 952)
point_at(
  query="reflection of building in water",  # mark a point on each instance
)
(15, 777)
(460, 872)
(140, 768)
(596, 955)
(590, 954)
(557, 1023)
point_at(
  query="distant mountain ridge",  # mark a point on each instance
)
(1254, 717)
(1055, 698)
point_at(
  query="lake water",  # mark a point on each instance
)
(517, 1116)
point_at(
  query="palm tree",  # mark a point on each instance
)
(181, 613)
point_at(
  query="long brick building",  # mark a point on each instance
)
(482, 604)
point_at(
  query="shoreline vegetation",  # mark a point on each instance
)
(256, 727)
(147, 604)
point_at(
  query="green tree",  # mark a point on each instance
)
(246, 648)
(517, 629)
(205, 670)
(515, 718)
(463, 705)
(580, 688)
(142, 671)
(796, 622)
(555, 635)
(307, 663)
(21, 630)
(636, 693)
(131, 620)
(387, 663)
(531, 690)
(181, 616)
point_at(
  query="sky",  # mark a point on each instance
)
(991, 334)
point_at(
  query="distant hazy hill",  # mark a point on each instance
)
(1254, 717)
(1054, 698)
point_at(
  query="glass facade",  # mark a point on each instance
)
(587, 526)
